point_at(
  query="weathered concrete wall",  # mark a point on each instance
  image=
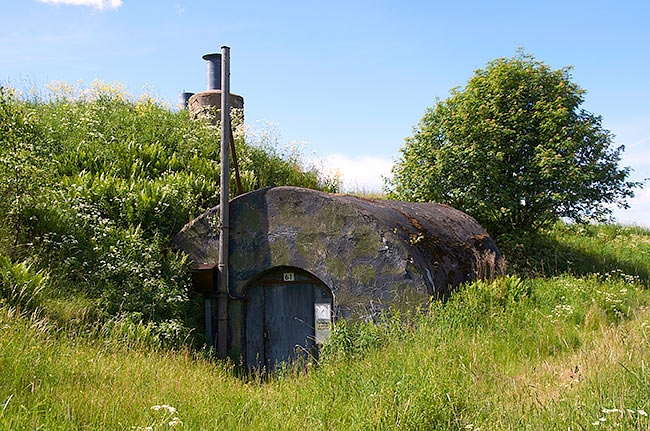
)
(207, 104)
(371, 253)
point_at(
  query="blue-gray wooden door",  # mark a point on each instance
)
(280, 320)
(288, 321)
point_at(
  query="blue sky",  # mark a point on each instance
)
(350, 79)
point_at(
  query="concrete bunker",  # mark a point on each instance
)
(296, 252)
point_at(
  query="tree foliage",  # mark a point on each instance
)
(515, 150)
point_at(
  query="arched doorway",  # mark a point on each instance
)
(288, 313)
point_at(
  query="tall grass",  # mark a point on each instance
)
(580, 249)
(20, 285)
(555, 352)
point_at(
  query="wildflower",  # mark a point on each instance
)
(595, 423)
(608, 411)
(175, 421)
(170, 409)
(642, 412)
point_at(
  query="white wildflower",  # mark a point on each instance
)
(175, 421)
(642, 412)
(608, 411)
(562, 311)
(170, 409)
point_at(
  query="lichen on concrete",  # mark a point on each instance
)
(364, 274)
(335, 266)
(279, 251)
(367, 241)
(369, 252)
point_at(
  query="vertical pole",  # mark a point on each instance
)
(208, 317)
(234, 162)
(224, 210)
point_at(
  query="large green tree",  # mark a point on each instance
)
(515, 150)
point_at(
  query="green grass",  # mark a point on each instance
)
(580, 249)
(537, 352)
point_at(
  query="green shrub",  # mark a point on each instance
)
(25, 166)
(20, 284)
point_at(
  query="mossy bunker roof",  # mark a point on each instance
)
(371, 253)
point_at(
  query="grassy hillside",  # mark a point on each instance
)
(565, 350)
(93, 185)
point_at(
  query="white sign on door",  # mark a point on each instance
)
(323, 321)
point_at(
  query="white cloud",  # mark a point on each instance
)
(97, 4)
(361, 173)
(179, 9)
(642, 141)
(365, 172)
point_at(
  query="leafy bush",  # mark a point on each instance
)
(21, 285)
(24, 165)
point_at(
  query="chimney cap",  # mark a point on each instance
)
(212, 56)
